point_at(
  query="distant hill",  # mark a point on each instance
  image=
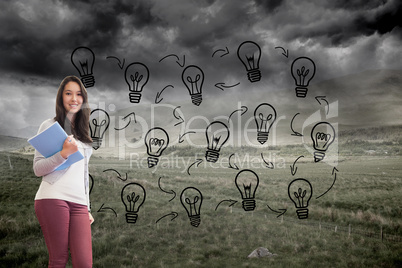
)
(8, 143)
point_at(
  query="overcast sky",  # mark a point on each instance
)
(38, 36)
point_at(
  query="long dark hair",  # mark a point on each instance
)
(80, 128)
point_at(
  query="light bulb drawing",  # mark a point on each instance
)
(133, 197)
(191, 198)
(217, 134)
(99, 121)
(156, 141)
(303, 70)
(136, 76)
(264, 116)
(323, 135)
(83, 60)
(193, 79)
(300, 192)
(249, 54)
(247, 183)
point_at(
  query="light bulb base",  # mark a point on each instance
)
(131, 217)
(262, 137)
(196, 99)
(254, 75)
(88, 81)
(135, 97)
(318, 156)
(195, 220)
(302, 213)
(152, 161)
(301, 92)
(248, 204)
(96, 143)
(212, 156)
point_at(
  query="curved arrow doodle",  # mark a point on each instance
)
(158, 94)
(323, 99)
(198, 162)
(181, 136)
(177, 57)
(177, 116)
(120, 65)
(222, 86)
(225, 52)
(118, 174)
(102, 209)
(334, 170)
(285, 52)
(243, 110)
(293, 170)
(268, 164)
(281, 212)
(168, 192)
(230, 164)
(174, 214)
(291, 127)
(124, 118)
(232, 202)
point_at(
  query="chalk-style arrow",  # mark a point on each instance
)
(118, 174)
(120, 64)
(177, 116)
(243, 110)
(334, 170)
(177, 57)
(285, 52)
(291, 127)
(198, 162)
(124, 118)
(280, 213)
(222, 86)
(293, 170)
(102, 209)
(181, 136)
(168, 192)
(158, 98)
(234, 166)
(174, 214)
(232, 202)
(268, 164)
(225, 52)
(323, 98)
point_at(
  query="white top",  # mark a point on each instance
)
(70, 184)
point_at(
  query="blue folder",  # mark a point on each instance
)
(50, 141)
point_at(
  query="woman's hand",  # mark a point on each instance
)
(69, 147)
(91, 219)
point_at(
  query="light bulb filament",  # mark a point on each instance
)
(192, 206)
(302, 73)
(251, 62)
(322, 137)
(215, 142)
(247, 191)
(84, 67)
(194, 83)
(264, 122)
(136, 78)
(98, 127)
(300, 196)
(132, 200)
(155, 142)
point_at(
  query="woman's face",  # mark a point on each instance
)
(72, 98)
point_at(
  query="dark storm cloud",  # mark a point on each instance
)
(269, 6)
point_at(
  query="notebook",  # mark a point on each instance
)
(50, 141)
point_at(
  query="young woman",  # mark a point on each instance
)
(62, 200)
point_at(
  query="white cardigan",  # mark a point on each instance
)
(70, 184)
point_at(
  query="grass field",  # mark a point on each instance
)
(357, 223)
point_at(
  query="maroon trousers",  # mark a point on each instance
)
(65, 225)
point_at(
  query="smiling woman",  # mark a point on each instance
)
(62, 200)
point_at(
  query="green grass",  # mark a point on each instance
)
(366, 197)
